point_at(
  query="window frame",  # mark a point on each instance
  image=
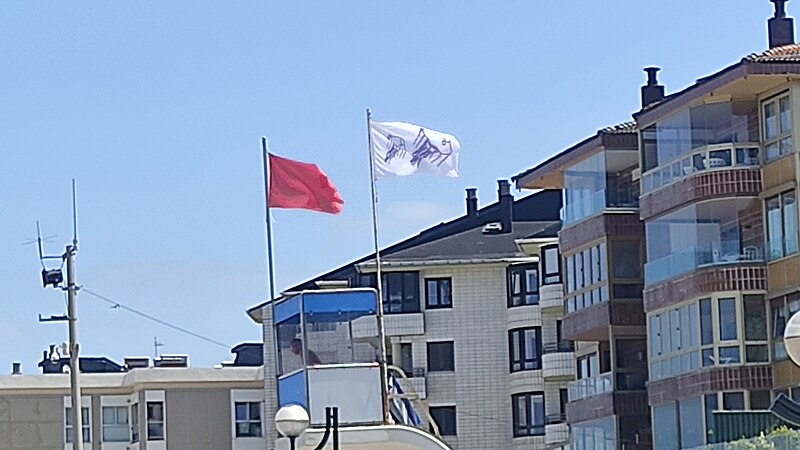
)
(134, 423)
(525, 296)
(438, 283)
(781, 135)
(443, 425)
(116, 424)
(437, 365)
(151, 421)
(517, 341)
(86, 424)
(529, 426)
(248, 420)
(786, 245)
(546, 273)
(410, 301)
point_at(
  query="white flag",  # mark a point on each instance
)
(401, 149)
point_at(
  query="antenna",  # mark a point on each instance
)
(157, 344)
(74, 214)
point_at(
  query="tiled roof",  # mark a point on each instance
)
(623, 128)
(787, 53)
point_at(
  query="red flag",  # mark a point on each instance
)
(294, 184)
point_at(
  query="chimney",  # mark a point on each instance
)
(16, 368)
(781, 28)
(652, 91)
(506, 201)
(472, 202)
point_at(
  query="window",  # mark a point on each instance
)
(441, 357)
(85, 425)
(155, 421)
(438, 293)
(523, 285)
(400, 292)
(777, 127)
(525, 348)
(445, 418)
(627, 260)
(115, 424)
(551, 270)
(588, 366)
(528, 414)
(406, 360)
(781, 225)
(135, 422)
(248, 419)
(760, 400)
(733, 401)
(727, 319)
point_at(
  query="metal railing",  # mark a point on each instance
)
(558, 347)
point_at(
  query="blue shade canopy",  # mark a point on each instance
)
(328, 305)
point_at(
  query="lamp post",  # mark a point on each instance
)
(291, 421)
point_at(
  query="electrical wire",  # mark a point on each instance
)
(117, 305)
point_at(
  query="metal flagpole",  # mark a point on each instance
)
(264, 146)
(379, 280)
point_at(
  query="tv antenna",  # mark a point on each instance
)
(156, 344)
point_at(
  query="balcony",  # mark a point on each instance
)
(591, 387)
(556, 430)
(551, 297)
(691, 259)
(558, 361)
(409, 324)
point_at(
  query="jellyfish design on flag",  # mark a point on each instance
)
(425, 149)
(395, 147)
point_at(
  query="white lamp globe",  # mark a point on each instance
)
(291, 420)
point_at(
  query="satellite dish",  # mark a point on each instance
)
(791, 338)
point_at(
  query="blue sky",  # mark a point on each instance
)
(157, 109)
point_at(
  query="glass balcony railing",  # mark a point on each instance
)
(590, 387)
(711, 157)
(576, 210)
(724, 252)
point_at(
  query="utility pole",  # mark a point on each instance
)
(74, 361)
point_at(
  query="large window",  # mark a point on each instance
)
(438, 293)
(525, 348)
(401, 292)
(782, 224)
(523, 285)
(445, 418)
(597, 434)
(441, 357)
(115, 424)
(528, 414)
(551, 268)
(248, 419)
(85, 424)
(603, 180)
(155, 421)
(777, 127)
(703, 234)
(586, 273)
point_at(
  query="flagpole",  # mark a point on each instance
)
(270, 262)
(378, 277)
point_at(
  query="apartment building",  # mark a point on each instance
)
(142, 408)
(711, 186)
(472, 316)
(601, 244)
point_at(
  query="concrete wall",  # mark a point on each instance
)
(32, 423)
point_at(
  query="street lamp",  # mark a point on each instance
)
(291, 421)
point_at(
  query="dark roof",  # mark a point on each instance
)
(543, 206)
(623, 128)
(88, 364)
(787, 53)
(475, 244)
